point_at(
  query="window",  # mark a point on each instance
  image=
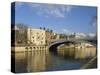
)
(41, 42)
(42, 38)
(33, 37)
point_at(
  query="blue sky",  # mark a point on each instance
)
(60, 18)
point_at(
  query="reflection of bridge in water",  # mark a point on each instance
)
(55, 43)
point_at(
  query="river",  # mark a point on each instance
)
(44, 60)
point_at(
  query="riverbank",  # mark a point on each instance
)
(18, 49)
(91, 64)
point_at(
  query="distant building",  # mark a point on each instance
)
(49, 36)
(57, 36)
(77, 36)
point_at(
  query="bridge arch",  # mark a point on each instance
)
(53, 46)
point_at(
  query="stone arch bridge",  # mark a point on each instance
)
(55, 43)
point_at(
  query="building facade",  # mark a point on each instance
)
(49, 37)
(36, 36)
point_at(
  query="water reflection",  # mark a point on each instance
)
(77, 53)
(36, 61)
(43, 60)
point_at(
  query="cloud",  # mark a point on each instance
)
(51, 10)
(47, 10)
(66, 31)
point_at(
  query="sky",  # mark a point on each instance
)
(59, 18)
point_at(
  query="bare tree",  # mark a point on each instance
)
(21, 34)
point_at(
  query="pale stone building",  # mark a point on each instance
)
(36, 36)
(49, 37)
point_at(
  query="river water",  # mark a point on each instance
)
(43, 60)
